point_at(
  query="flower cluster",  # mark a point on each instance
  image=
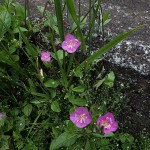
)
(70, 45)
(81, 118)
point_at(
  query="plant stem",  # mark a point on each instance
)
(61, 69)
(34, 123)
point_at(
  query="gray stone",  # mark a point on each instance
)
(134, 52)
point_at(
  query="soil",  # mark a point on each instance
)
(135, 115)
(127, 14)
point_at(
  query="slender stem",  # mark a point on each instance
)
(79, 10)
(84, 17)
(102, 24)
(34, 123)
(25, 13)
(47, 3)
(90, 33)
(70, 63)
(64, 6)
(61, 69)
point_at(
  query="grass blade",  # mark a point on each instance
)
(71, 8)
(58, 9)
(107, 47)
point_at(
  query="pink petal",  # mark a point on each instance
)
(69, 37)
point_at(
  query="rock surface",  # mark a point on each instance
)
(134, 52)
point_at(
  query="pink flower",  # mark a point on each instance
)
(70, 44)
(108, 123)
(1, 116)
(81, 117)
(45, 56)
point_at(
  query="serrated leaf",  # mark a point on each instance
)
(55, 106)
(79, 89)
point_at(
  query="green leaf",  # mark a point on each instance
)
(99, 83)
(79, 102)
(40, 95)
(21, 123)
(5, 19)
(40, 9)
(53, 92)
(15, 57)
(78, 73)
(52, 83)
(16, 30)
(109, 80)
(66, 139)
(126, 138)
(27, 109)
(78, 89)
(59, 54)
(38, 101)
(55, 106)
(19, 10)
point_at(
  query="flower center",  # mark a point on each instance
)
(71, 44)
(82, 118)
(46, 56)
(105, 124)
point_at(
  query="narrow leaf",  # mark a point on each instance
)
(79, 89)
(79, 101)
(107, 47)
(51, 83)
(58, 9)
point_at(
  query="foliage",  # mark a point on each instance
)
(41, 83)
